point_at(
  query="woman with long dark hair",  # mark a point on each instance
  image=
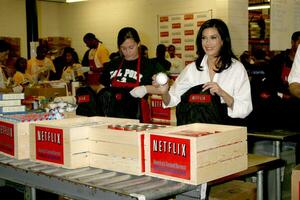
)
(124, 78)
(213, 89)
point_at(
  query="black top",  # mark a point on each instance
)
(115, 98)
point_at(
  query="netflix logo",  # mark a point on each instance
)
(170, 156)
(164, 19)
(188, 32)
(188, 17)
(189, 47)
(169, 147)
(176, 25)
(49, 144)
(7, 138)
(83, 99)
(164, 34)
(199, 23)
(199, 98)
(47, 136)
(6, 131)
(176, 40)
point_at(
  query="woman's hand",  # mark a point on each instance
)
(159, 89)
(213, 88)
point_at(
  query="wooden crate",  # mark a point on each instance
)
(118, 150)
(14, 139)
(65, 143)
(14, 134)
(196, 153)
(160, 115)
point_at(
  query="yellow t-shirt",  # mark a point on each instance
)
(20, 78)
(39, 69)
(99, 56)
(71, 72)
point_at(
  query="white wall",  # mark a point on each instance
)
(106, 18)
(13, 21)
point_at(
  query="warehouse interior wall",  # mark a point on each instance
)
(106, 18)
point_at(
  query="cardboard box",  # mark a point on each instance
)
(46, 92)
(65, 142)
(296, 183)
(233, 190)
(119, 149)
(196, 153)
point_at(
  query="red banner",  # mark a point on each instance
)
(170, 156)
(49, 144)
(7, 138)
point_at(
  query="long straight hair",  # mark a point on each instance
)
(225, 54)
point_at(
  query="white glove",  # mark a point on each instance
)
(138, 92)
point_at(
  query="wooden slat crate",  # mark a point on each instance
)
(119, 149)
(160, 115)
(196, 153)
(65, 143)
(14, 134)
(14, 139)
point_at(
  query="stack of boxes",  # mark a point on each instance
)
(10, 103)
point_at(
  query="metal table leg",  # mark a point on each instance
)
(278, 170)
(260, 185)
(29, 193)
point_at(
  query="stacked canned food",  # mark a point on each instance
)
(135, 127)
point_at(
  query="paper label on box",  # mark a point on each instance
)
(49, 144)
(7, 142)
(170, 156)
(158, 112)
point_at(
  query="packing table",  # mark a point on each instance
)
(93, 183)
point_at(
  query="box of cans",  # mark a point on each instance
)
(196, 153)
(65, 142)
(14, 133)
(119, 147)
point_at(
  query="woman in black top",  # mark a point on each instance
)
(122, 75)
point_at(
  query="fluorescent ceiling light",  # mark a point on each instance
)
(73, 1)
(259, 7)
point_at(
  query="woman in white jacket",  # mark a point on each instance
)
(215, 73)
